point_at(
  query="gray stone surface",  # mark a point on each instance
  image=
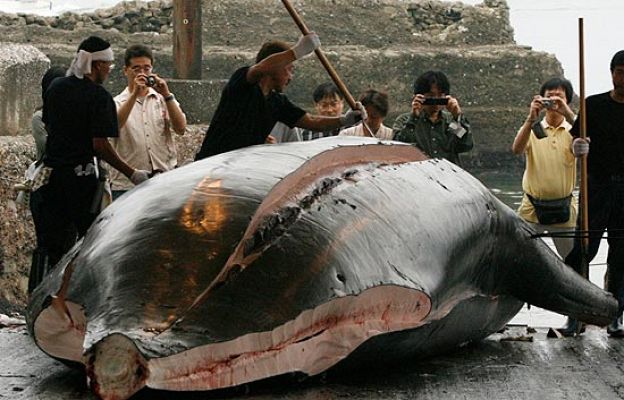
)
(126, 16)
(16, 228)
(503, 366)
(371, 23)
(21, 69)
(197, 98)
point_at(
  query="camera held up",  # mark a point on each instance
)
(548, 103)
(435, 101)
(150, 80)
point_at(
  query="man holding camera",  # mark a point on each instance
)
(147, 113)
(550, 170)
(436, 124)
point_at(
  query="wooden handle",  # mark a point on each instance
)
(321, 56)
(583, 134)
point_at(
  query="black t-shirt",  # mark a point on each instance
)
(75, 111)
(245, 117)
(605, 128)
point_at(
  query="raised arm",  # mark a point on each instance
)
(319, 123)
(522, 137)
(306, 45)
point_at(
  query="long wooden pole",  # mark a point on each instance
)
(324, 60)
(583, 134)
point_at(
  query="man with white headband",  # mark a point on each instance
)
(79, 115)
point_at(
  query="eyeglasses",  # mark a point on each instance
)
(139, 68)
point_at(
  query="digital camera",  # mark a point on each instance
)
(548, 103)
(435, 101)
(150, 80)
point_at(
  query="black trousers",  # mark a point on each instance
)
(64, 211)
(606, 212)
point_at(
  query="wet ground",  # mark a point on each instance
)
(499, 367)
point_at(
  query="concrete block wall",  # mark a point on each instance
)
(21, 69)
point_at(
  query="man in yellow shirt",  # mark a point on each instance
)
(550, 171)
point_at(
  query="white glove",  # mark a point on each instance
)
(580, 147)
(306, 45)
(352, 117)
(139, 176)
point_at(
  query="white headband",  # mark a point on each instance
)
(82, 62)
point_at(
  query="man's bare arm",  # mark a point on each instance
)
(105, 151)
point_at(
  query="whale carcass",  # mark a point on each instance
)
(294, 258)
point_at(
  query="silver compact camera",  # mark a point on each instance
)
(150, 80)
(548, 103)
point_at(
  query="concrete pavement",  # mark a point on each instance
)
(503, 366)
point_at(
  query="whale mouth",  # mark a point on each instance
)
(311, 343)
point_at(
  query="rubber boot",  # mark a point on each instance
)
(38, 269)
(571, 327)
(616, 328)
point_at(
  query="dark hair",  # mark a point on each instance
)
(93, 44)
(424, 82)
(376, 99)
(555, 83)
(51, 74)
(618, 59)
(271, 47)
(326, 90)
(137, 50)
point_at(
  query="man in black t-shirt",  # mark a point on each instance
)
(252, 101)
(79, 115)
(605, 166)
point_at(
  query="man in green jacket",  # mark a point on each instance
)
(436, 124)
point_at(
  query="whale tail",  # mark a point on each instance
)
(539, 277)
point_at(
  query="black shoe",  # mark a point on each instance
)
(616, 328)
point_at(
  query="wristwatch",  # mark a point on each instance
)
(170, 97)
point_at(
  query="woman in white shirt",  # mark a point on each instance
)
(376, 104)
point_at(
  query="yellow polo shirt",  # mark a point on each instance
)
(550, 171)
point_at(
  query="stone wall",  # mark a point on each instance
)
(21, 68)
(229, 22)
(17, 237)
(126, 17)
(370, 23)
